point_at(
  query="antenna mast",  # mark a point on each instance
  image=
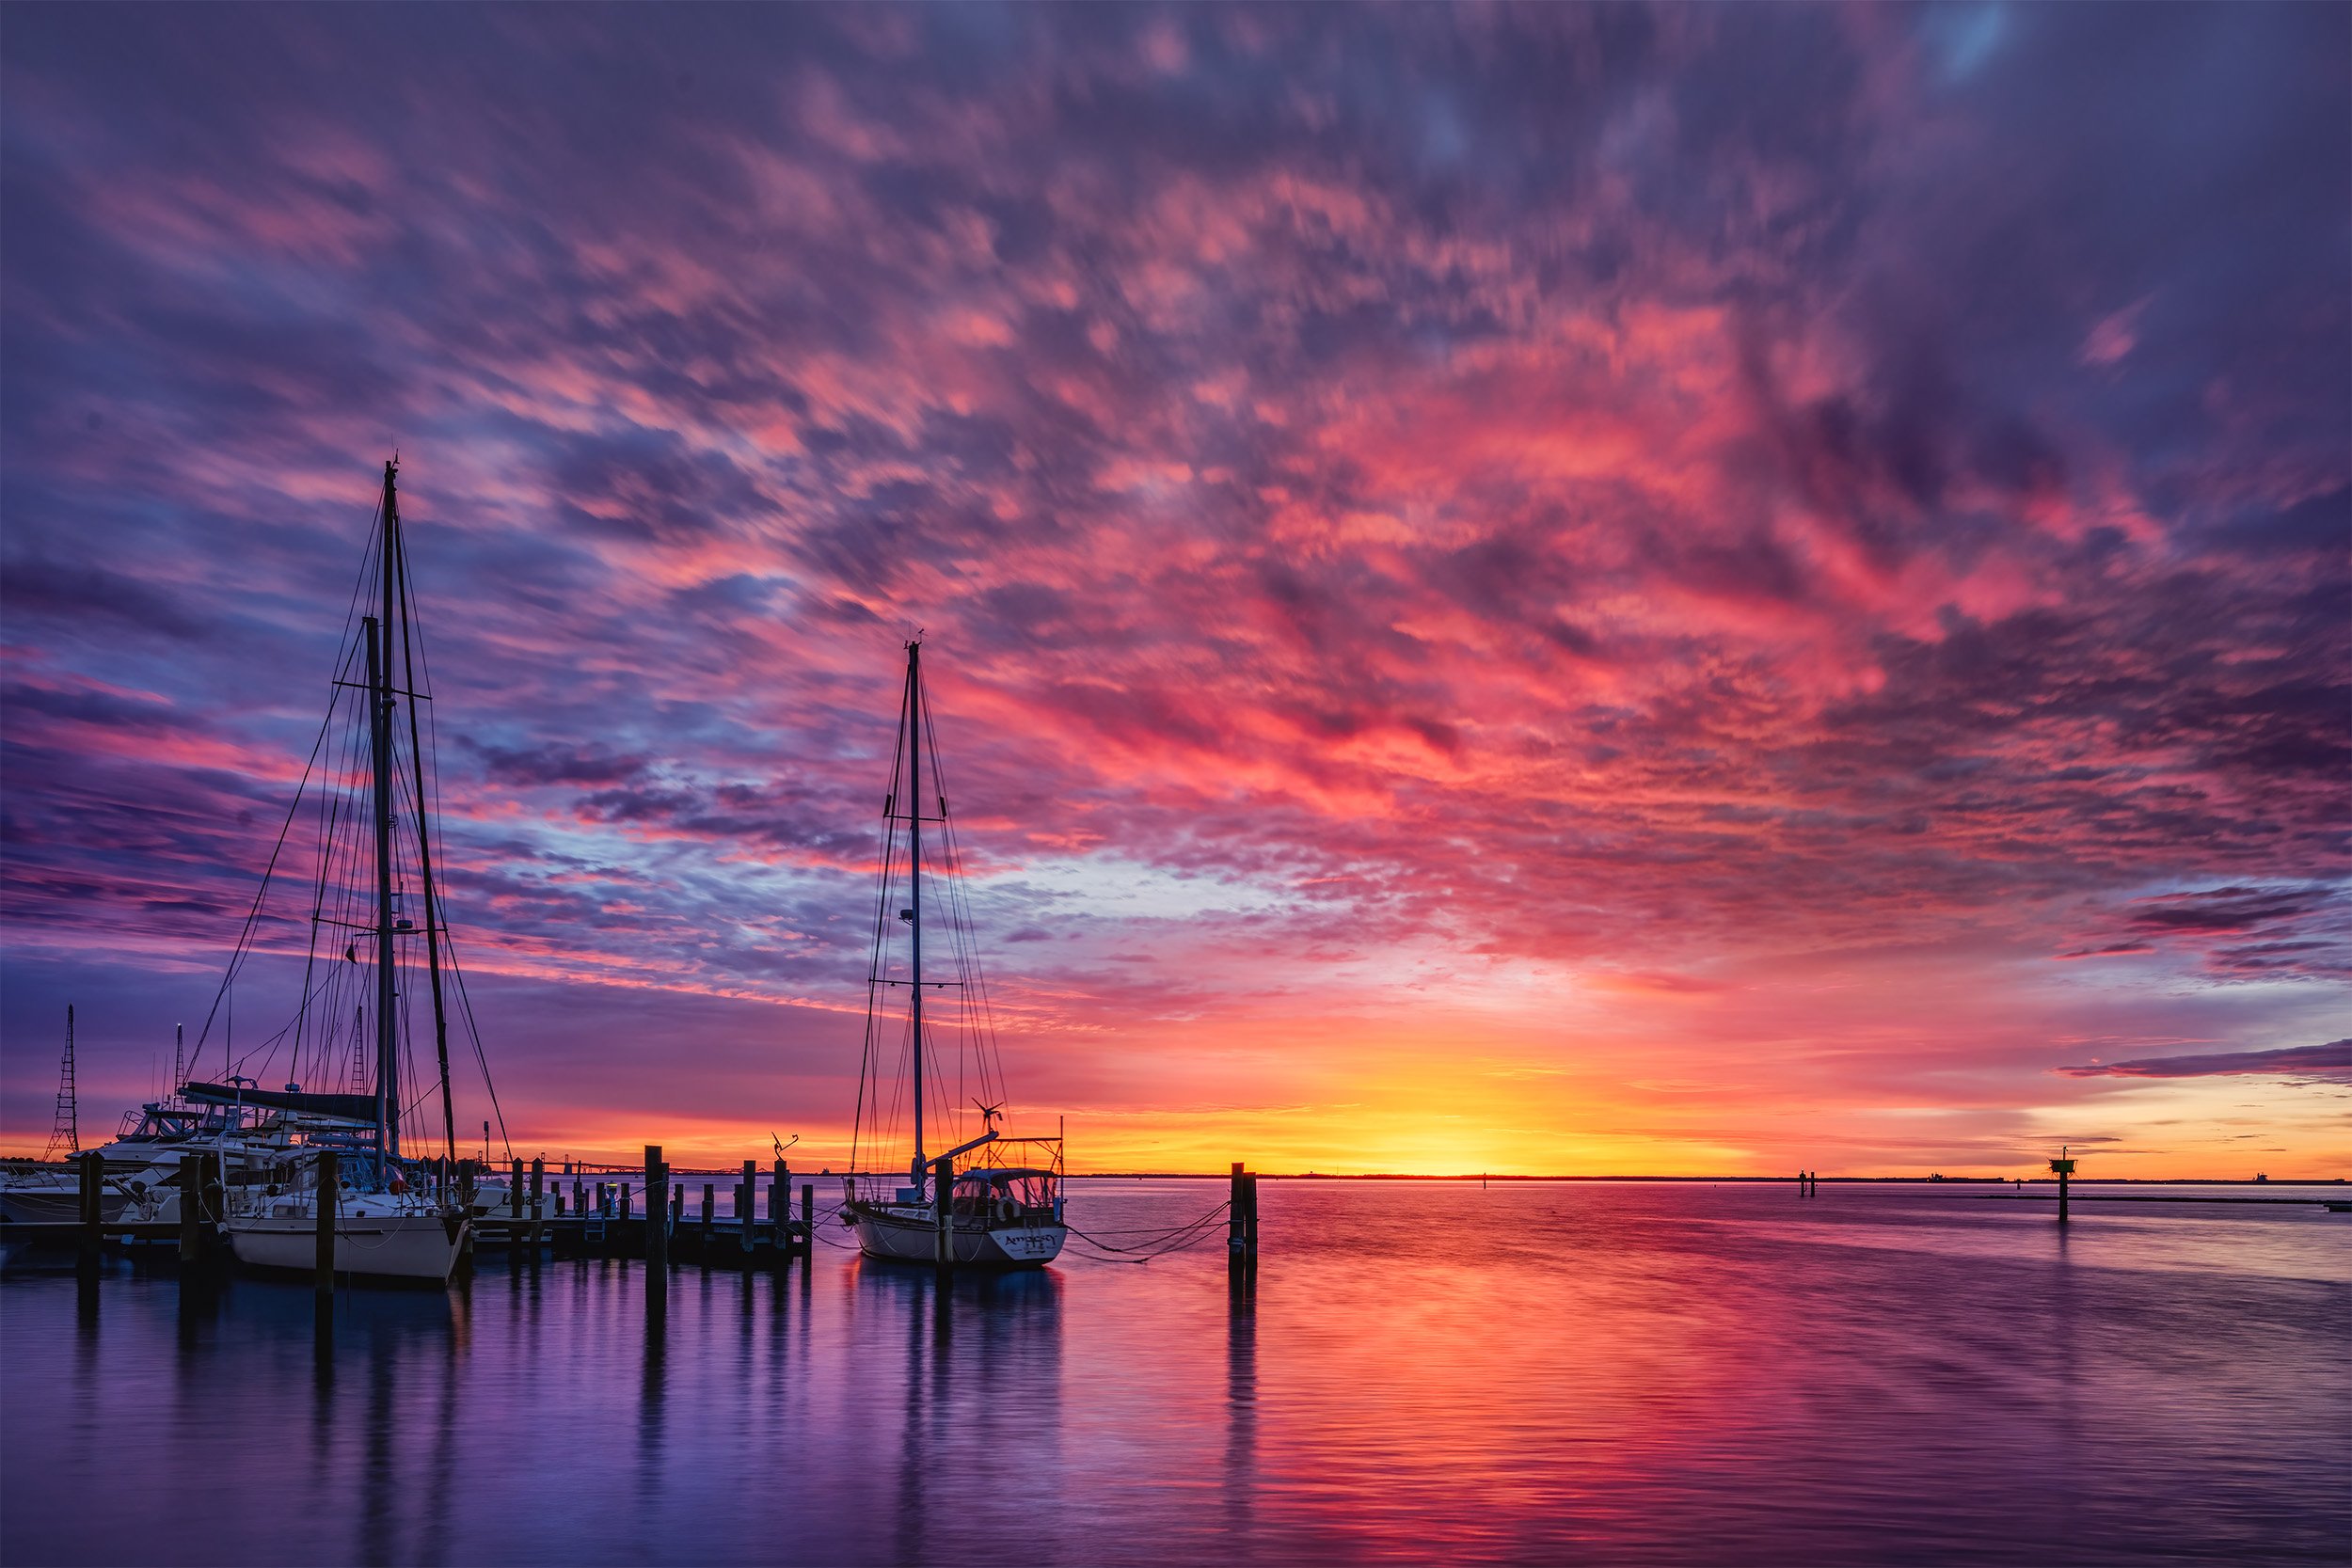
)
(66, 1129)
(398, 554)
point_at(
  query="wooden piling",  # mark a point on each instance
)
(620, 1202)
(779, 1199)
(1237, 1213)
(943, 1191)
(747, 1205)
(657, 1234)
(215, 1179)
(708, 1188)
(323, 1261)
(538, 1191)
(190, 1183)
(91, 1178)
(808, 1216)
(1249, 1231)
(515, 1199)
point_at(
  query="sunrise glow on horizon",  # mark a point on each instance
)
(1533, 592)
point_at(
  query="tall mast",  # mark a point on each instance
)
(380, 758)
(424, 835)
(914, 876)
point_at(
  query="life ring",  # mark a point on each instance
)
(1008, 1211)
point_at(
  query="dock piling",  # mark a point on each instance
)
(747, 1203)
(943, 1190)
(657, 1237)
(322, 1259)
(215, 1180)
(190, 1183)
(1236, 1211)
(92, 1179)
(808, 1217)
(215, 1190)
(538, 1191)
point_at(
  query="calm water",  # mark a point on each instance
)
(1574, 1374)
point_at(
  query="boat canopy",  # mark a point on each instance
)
(356, 1108)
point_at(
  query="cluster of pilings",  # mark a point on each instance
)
(666, 1238)
(202, 1205)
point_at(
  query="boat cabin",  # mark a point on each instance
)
(1004, 1192)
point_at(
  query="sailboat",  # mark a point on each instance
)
(394, 1215)
(987, 1201)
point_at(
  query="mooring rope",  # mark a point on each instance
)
(1174, 1238)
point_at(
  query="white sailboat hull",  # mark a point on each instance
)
(382, 1246)
(910, 1235)
(33, 1202)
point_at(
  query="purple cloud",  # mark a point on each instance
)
(2329, 1062)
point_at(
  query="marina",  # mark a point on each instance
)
(1242, 785)
(1626, 1373)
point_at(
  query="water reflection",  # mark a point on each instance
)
(1614, 1374)
(652, 1418)
(1241, 1394)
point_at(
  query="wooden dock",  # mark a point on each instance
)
(603, 1219)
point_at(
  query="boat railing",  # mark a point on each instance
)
(997, 1190)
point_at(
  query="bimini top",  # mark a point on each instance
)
(359, 1108)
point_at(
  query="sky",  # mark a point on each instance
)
(1580, 590)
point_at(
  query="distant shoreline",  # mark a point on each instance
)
(1746, 1181)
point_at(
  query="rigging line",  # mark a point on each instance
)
(424, 847)
(980, 1023)
(881, 915)
(975, 977)
(253, 916)
(270, 1044)
(949, 874)
(243, 936)
(440, 839)
(327, 798)
(867, 1053)
(465, 999)
(342, 841)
